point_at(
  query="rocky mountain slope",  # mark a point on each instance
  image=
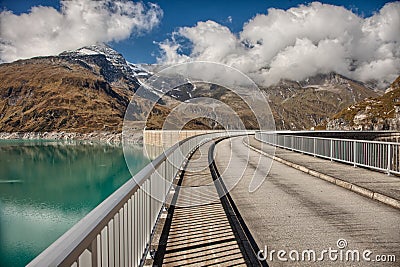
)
(379, 113)
(78, 91)
(216, 114)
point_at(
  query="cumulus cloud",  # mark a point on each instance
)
(47, 31)
(298, 43)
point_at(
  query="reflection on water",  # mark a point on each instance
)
(46, 187)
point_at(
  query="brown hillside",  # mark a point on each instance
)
(50, 94)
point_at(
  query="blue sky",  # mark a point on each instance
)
(181, 13)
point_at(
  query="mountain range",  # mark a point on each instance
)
(88, 90)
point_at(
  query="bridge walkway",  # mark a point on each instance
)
(197, 231)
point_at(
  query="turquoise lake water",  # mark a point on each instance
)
(46, 187)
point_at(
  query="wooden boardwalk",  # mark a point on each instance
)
(197, 231)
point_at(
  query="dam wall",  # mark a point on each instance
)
(165, 138)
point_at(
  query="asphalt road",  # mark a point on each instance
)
(295, 212)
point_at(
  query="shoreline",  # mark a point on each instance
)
(108, 137)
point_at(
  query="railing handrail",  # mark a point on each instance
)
(68, 248)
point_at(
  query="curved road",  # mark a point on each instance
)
(292, 210)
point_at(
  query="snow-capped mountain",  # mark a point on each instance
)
(109, 63)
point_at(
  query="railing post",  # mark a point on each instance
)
(314, 141)
(354, 153)
(331, 152)
(292, 142)
(93, 249)
(389, 159)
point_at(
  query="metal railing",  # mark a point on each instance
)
(118, 231)
(382, 156)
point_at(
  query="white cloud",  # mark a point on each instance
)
(47, 31)
(298, 43)
(210, 40)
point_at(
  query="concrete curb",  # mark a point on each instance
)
(395, 203)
